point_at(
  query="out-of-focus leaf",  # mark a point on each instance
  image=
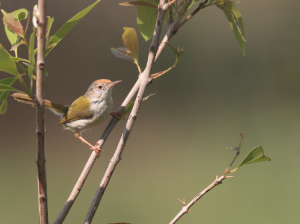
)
(19, 15)
(131, 42)
(31, 54)
(235, 21)
(3, 107)
(7, 81)
(130, 106)
(68, 26)
(9, 88)
(49, 25)
(255, 155)
(14, 25)
(19, 59)
(3, 95)
(146, 19)
(6, 63)
(177, 54)
(138, 3)
(122, 52)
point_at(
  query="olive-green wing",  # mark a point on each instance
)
(79, 109)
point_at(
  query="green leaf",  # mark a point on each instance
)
(130, 106)
(6, 63)
(235, 21)
(131, 42)
(7, 81)
(68, 26)
(3, 107)
(122, 52)
(177, 54)
(8, 88)
(146, 19)
(4, 95)
(138, 3)
(49, 25)
(255, 155)
(31, 55)
(19, 59)
(20, 14)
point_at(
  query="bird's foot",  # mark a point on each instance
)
(116, 114)
(97, 151)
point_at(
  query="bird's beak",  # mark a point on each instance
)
(113, 83)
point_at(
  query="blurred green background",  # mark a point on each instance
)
(177, 145)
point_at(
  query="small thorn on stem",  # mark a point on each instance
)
(182, 202)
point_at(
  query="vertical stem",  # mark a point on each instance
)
(40, 115)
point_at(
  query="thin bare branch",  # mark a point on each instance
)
(40, 115)
(145, 77)
(218, 180)
(185, 209)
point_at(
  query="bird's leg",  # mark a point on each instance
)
(97, 151)
(116, 114)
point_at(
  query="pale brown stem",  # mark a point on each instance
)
(186, 208)
(40, 116)
(145, 77)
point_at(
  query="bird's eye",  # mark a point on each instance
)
(100, 87)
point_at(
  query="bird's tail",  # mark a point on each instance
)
(57, 108)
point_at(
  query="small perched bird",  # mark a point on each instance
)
(87, 111)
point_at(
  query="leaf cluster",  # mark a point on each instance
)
(16, 35)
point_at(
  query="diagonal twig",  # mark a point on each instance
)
(145, 78)
(186, 208)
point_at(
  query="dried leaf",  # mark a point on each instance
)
(131, 42)
(15, 26)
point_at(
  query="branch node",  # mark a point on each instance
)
(158, 22)
(152, 48)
